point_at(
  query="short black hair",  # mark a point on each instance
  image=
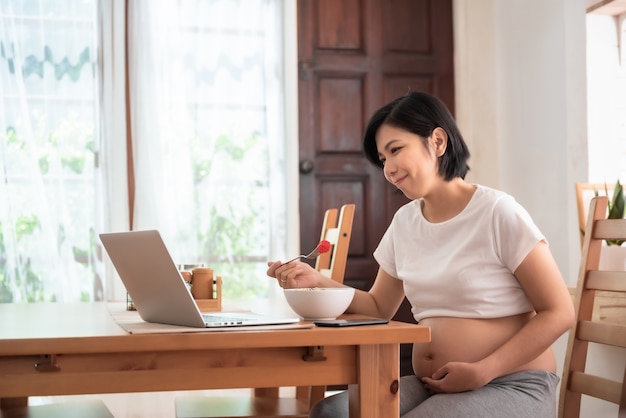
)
(420, 113)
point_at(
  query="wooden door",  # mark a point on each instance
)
(353, 57)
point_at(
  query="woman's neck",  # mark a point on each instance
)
(450, 198)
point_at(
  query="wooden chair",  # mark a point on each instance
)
(584, 193)
(73, 409)
(266, 402)
(576, 380)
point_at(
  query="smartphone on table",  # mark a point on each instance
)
(351, 322)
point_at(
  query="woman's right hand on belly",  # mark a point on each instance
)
(457, 377)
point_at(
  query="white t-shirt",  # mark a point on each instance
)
(462, 267)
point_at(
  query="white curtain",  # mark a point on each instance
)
(47, 150)
(207, 122)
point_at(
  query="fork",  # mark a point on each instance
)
(321, 248)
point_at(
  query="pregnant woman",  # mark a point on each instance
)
(473, 265)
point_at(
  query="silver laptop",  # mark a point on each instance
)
(157, 288)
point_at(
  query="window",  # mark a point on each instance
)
(205, 115)
(47, 149)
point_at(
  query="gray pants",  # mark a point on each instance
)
(529, 394)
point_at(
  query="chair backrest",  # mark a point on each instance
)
(589, 327)
(336, 229)
(584, 193)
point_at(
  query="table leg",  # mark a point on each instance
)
(377, 393)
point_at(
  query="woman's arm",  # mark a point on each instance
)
(382, 301)
(545, 288)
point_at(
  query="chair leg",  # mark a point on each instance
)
(622, 403)
(317, 394)
(9, 403)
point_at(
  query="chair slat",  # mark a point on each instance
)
(330, 221)
(610, 229)
(598, 387)
(603, 333)
(611, 281)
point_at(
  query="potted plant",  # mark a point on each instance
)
(613, 255)
(617, 208)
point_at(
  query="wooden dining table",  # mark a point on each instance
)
(49, 349)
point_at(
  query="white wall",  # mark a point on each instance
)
(521, 104)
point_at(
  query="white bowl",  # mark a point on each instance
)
(319, 302)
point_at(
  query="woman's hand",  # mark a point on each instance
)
(456, 377)
(297, 274)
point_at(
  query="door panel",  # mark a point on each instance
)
(353, 57)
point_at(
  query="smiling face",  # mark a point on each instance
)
(410, 161)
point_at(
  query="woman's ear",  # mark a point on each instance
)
(439, 139)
